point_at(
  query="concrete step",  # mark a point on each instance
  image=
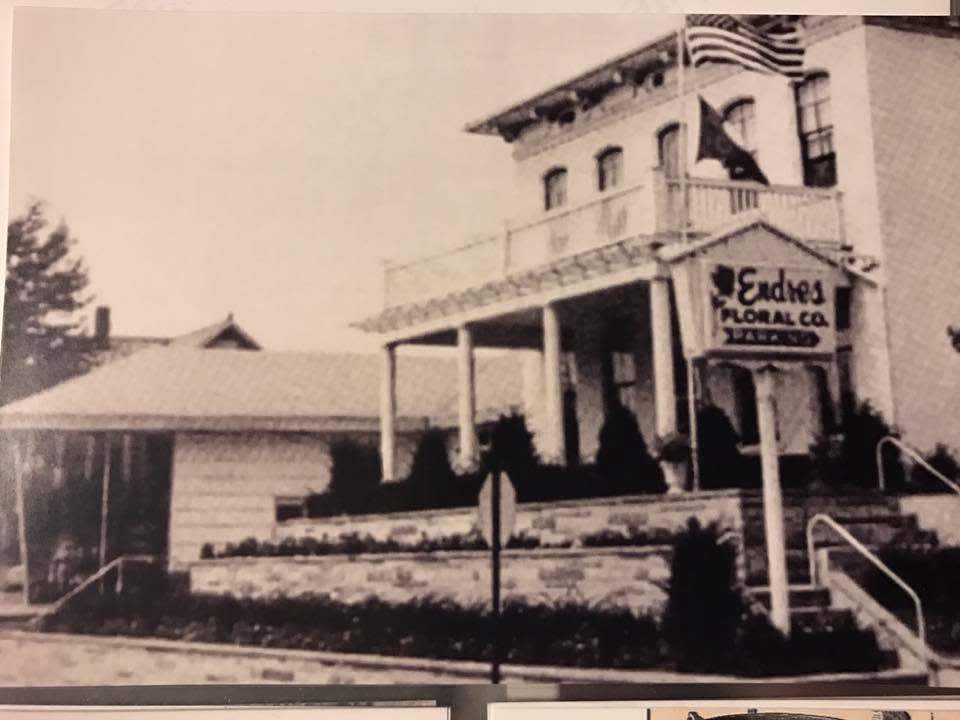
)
(798, 568)
(822, 620)
(800, 597)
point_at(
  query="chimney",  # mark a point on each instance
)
(101, 325)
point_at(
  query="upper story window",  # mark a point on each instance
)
(668, 150)
(609, 168)
(741, 115)
(816, 131)
(555, 188)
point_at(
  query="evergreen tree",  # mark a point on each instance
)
(45, 284)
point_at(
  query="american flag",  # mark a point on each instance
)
(725, 38)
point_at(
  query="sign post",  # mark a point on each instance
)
(760, 315)
(497, 507)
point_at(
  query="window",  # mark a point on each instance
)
(555, 188)
(609, 168)
(816, 131)
(624, 373)
(287, 508)
(668, 150)
(741, 115)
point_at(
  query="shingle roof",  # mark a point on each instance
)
(170, 388)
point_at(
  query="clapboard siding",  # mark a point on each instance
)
(225, 485)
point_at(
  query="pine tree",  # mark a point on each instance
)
(45, 284)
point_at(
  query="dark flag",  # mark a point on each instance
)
(716, 144)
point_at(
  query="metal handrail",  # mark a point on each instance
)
(915, 456)
(877, 562)
(100, 574)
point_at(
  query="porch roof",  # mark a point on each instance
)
(178, 388)
(568, 271)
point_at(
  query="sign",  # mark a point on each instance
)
(508, 509)
(768, 310)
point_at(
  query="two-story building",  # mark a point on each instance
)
(606, 270)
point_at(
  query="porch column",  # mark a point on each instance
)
(388, 412)
(20, 455)
(105, 499)
(466, 398)
(665, 398)
(554, 441)
(765, 381)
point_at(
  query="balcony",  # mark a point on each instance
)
(647, 212)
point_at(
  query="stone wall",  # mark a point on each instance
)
(552, 523)
(633, 578)
(940, 513)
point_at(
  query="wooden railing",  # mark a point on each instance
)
(814, 215)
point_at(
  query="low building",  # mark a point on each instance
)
(197, 445)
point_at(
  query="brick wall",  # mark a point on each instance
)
(634, 578)
(552, 523)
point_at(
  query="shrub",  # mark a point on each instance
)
(853, 461)
(512, 450)
(354, 473)
(431, 464)
(622, 456)
(944, 461)
(720, 463)
(704, 606)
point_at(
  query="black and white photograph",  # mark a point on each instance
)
(477, 347)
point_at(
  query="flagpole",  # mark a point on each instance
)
(682, 141)
(692, 384)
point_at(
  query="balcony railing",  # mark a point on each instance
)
(647, 209)
(814, 215)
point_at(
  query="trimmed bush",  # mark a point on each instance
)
(512, 450)
(704, 607)
(852, 461)
(623, 460)
(354, 472)
(944, 460)
(431, 463)
(720, 461)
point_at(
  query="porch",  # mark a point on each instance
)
(608, 329)
(640, 217)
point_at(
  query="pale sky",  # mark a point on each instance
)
(264, 164)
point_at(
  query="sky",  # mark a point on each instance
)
(265, 164)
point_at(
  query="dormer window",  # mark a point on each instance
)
(609, 168)
(555, 188)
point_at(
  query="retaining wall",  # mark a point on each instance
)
(564, 521)
(936, 512)
(634, 578)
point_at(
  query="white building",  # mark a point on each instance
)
(595, 272)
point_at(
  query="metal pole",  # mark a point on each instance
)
(495, 576)
(682, 140)
(693, 390)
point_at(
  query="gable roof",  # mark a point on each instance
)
(186, 388)
(755, 221)
(207, 336)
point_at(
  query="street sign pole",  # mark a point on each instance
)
(495, 576)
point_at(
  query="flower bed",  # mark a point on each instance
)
(352, 543)
(572, 635)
